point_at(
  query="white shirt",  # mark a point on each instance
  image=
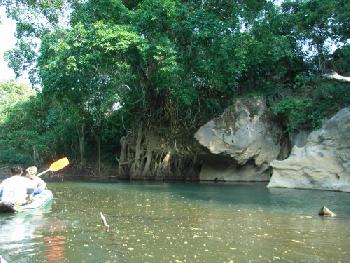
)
(14, 189)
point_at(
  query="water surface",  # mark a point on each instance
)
(156, 222)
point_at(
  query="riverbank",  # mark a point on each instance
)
(92, 178)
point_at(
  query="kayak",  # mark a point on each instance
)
(38, 201)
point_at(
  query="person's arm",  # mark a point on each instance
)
(41, 183)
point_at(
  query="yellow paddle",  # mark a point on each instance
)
(56, 166)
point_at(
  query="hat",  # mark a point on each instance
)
(32, 170)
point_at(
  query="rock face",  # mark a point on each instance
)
(248, 134)
(322, 163)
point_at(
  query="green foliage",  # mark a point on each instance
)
(12, 93)
(341, 60)
(168, 64)
(328, 98)
(318, 24)
(22, 128)
(321, 99)
(297, 111)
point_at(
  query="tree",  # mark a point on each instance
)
(12, 93)
(153, 71)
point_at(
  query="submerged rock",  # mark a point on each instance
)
(246, 133)
(322, 163)
(326, 212)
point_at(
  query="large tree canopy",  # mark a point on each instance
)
(113, 65)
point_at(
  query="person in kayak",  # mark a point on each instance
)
(39, 183)
(15, 171)
(15, 188)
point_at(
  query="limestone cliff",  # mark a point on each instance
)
(246, 133)
(322, 163)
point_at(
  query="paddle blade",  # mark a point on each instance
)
(59, 164)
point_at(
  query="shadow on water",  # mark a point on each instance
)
(249, 195)
(258, 195)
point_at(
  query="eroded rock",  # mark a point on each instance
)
(248, 134)
(322, 163)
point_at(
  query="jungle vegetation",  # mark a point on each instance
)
(115, 73)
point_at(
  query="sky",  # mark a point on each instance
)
(7, 41)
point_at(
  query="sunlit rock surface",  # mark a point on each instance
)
(324, 161)
(248, 134)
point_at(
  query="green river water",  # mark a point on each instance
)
(159, 222)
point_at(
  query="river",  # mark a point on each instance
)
(179, 222)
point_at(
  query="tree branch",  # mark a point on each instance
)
(104, 221)
(335, 76)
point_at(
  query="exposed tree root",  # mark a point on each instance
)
(147, 156)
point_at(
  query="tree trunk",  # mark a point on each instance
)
(98, 146)
(146, 169)
(81, 138)
(165, 168)
(136, 166)
(145, 155)
(35, 155)
(123, 161)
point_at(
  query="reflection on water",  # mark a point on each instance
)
(54, 242)
(56, 248)
(22, 234)
(180, 223)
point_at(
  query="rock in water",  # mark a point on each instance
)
(326, 212)
(322, 163)
(242, 142)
